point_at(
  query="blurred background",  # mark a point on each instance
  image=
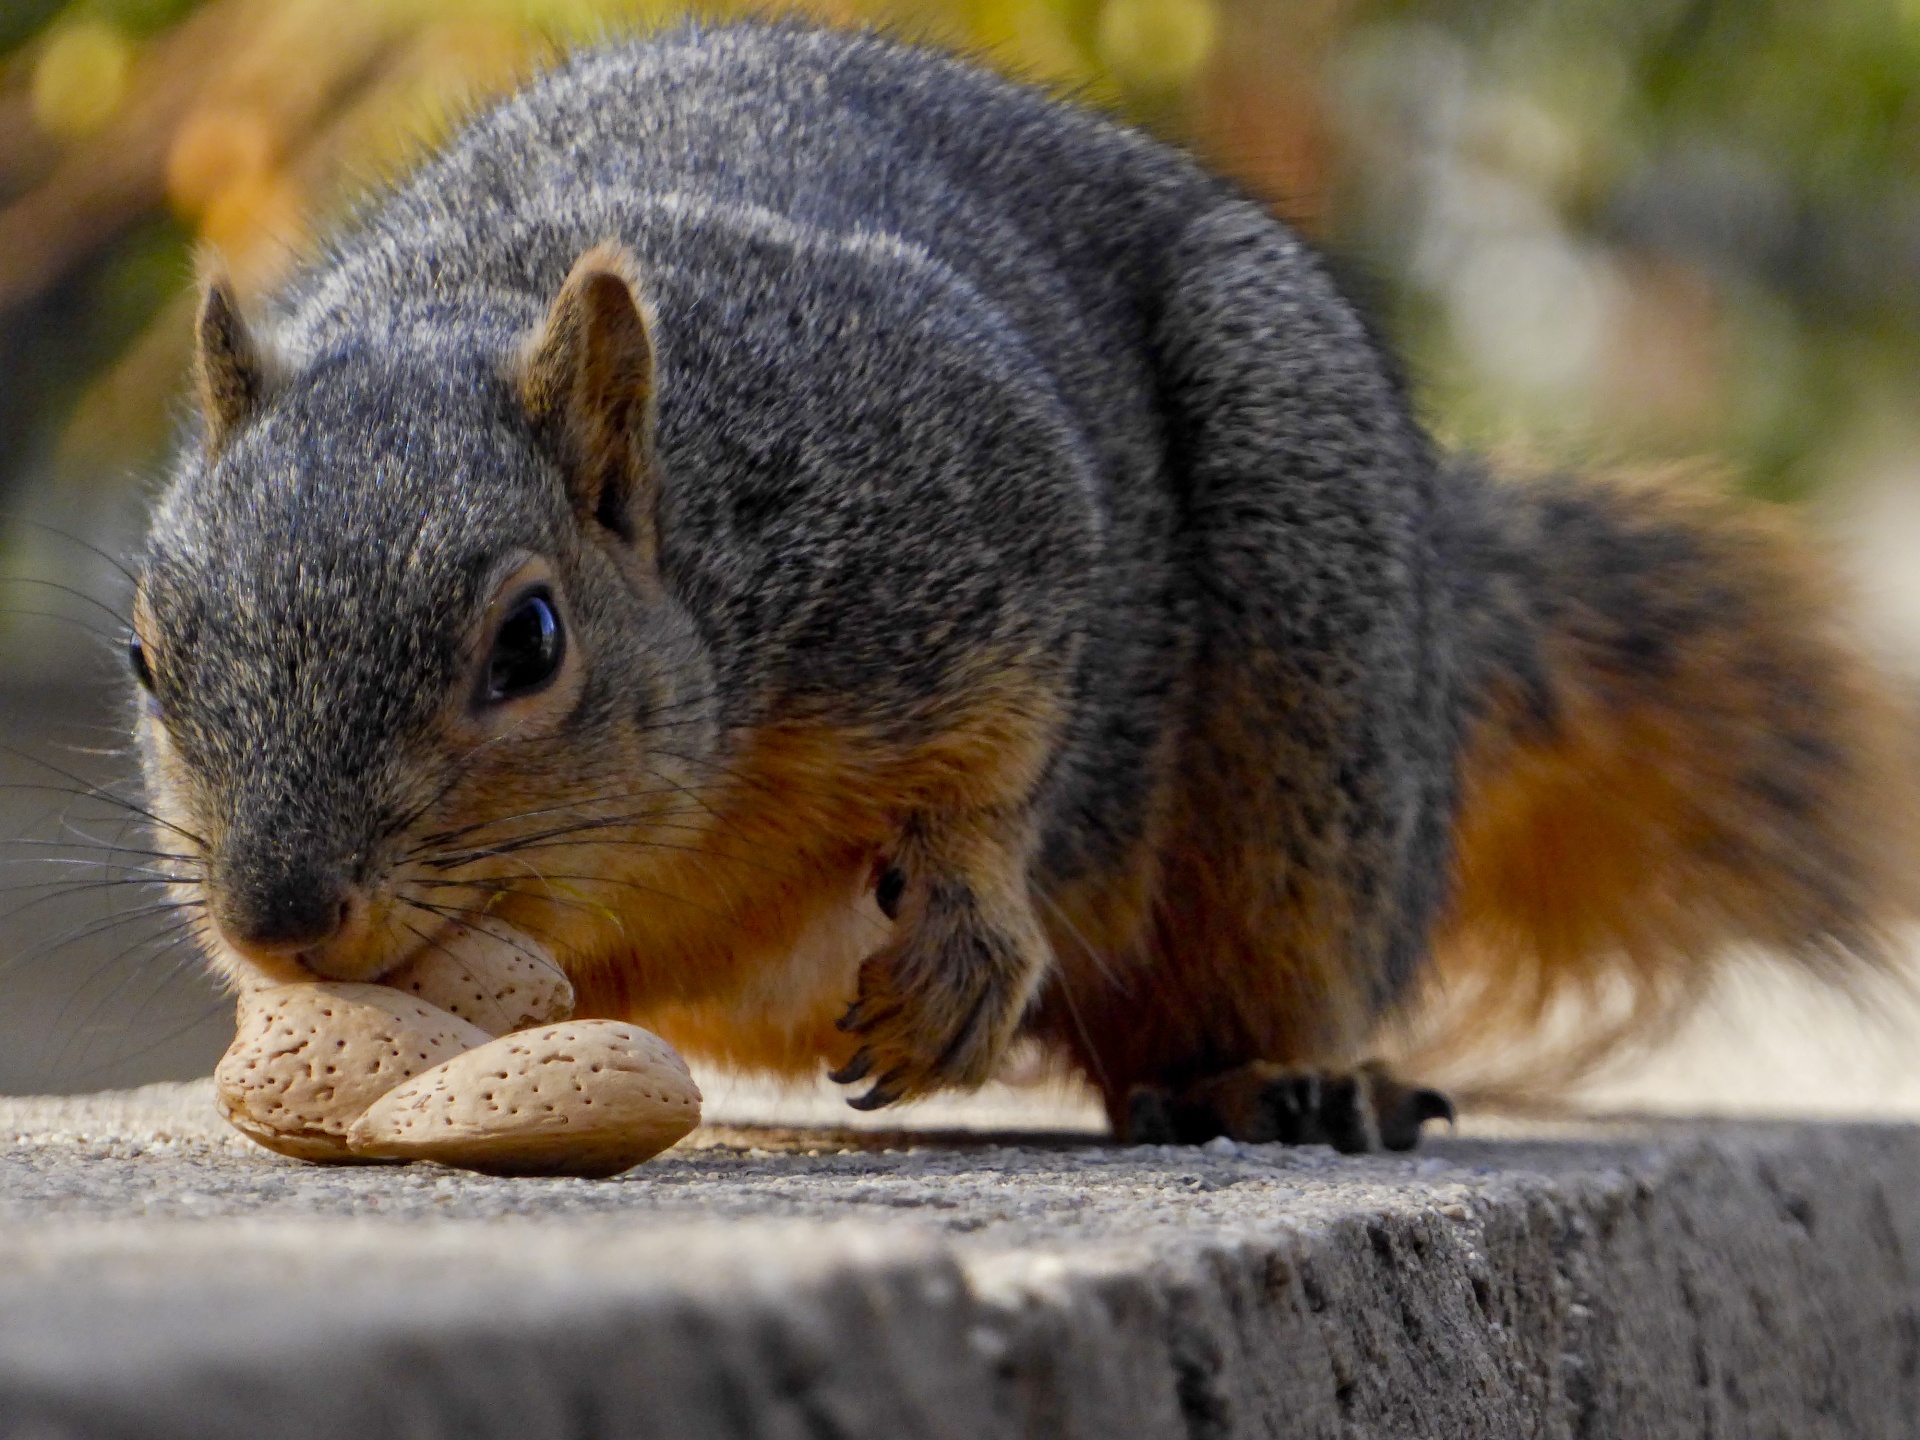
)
(1602, 232)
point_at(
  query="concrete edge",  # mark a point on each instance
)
(1741, 1281)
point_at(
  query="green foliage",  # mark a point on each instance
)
(20, 19)
(1771, 146)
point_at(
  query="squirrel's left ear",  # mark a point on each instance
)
(586, 380)
(232, 374)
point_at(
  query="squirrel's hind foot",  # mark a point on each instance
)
(1356, 1112)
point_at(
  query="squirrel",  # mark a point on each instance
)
(869, 562)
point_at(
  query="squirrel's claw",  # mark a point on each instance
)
(1148, 1119)
(884, 1092)
(1346, 1118)
(924, 1038)
(1433, 1105)
(1401, 1115)
(854, 1070)
(1354, 1111)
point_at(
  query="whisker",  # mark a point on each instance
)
(179, 933)
(459, 773)
(90, 790)
(562, 840)
(169, 932)
(434, 941)
(70, 889)
(469, 916)
(103, 636)
(90, 843)
(498, 886)
(119, 619)
(88, 929)
(509, 886)
(193, 1022)
(73, 539)
(634, 884)
(476, 919)
(90, 862)
(524, 842)
(87, 839)
(450, 858)
(445, 837)
(406, 819)
(114, 874)
(447, 912)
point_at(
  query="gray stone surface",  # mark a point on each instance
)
(1653, 1278)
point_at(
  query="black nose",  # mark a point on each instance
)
(280, 905)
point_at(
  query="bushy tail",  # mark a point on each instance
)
(1675, 752)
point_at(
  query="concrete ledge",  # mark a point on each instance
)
(158, 1279)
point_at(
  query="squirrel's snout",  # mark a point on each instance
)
(295, 912)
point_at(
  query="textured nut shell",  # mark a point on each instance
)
(307, 1059)
(590, 1097)
(495, 978)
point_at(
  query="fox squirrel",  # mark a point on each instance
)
(868, 562)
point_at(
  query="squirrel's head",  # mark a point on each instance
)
(399, 629)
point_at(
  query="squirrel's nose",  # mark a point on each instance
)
(286, 911)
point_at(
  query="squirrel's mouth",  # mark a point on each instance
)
(323, 963)
(370, 957)
(367, 943)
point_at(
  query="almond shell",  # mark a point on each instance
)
(496, 978)
(586, 1097)
(308, 1058)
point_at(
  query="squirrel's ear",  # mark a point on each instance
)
(231, 375)
(586, 380)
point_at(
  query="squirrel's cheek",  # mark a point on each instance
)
(168, 778)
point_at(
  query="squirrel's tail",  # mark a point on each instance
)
(1675, 752)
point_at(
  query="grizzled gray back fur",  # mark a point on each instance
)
(945, 368)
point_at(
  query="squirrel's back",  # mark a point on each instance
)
(792, 141)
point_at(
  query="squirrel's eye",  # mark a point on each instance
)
(527, 650)
(137, 662)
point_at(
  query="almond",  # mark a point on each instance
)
(309, 1058)
(493, 977)
(589, 1098)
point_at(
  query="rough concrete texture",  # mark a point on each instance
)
(161, 1278)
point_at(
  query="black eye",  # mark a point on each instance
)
(137, 662)
(527, 651)
(889, 892)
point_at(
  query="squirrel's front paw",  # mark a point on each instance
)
(938, 1006)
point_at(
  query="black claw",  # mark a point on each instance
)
(875, 1099)
(1433, 1105)
(1400, 1123)
(1355, 1112)
(1290, 1111)
(855, 1069)
(1344, 1116)
(1149, 1117)
(885, 1090)
(1303, 1098)
(862, 1016)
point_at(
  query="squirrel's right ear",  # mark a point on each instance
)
(231, 374)
(586, 381)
